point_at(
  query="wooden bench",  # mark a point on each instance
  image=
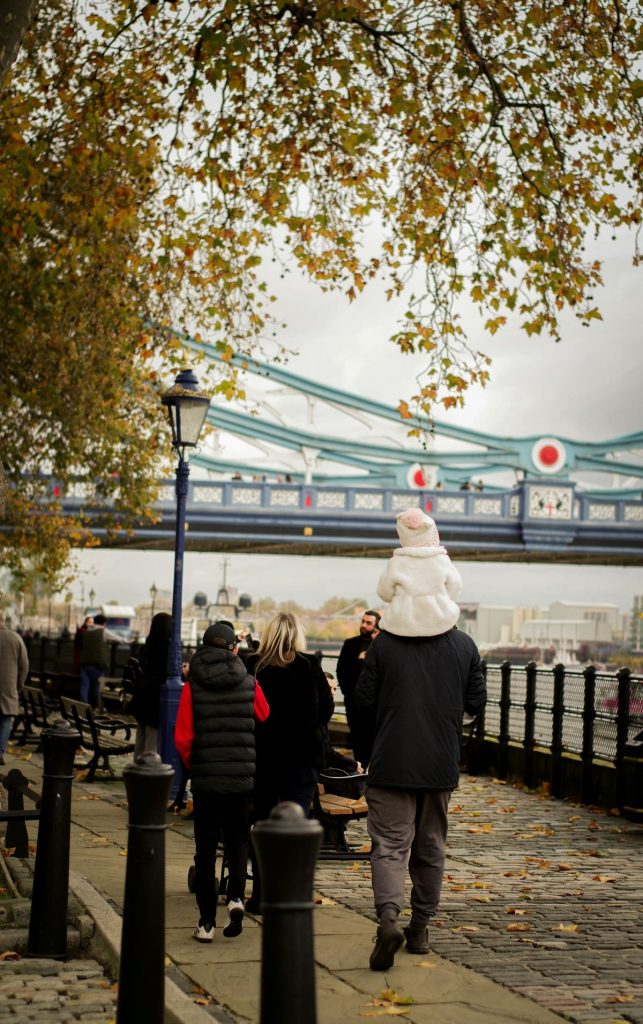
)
(335, 810)
(16, 838)
(35, 713)
(98, 735)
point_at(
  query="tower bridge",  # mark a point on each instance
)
(533, 521)
(273, 486)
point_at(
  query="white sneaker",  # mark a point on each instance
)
(203, 934)
(235, 918)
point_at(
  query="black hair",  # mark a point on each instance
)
(375, 615)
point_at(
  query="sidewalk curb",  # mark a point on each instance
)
(106, 944)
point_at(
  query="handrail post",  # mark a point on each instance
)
(49, 900)
(557, 715)
(587, 754)
(141, 980)
(505, 705)
(622, 726)
(530, 718)
(286, 846)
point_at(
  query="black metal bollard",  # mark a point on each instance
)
(286, 846)
(141, 979)
(48, 921)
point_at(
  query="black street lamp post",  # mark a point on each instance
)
(187, 407)
(153, 593)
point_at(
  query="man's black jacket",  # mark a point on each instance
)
(419, 689)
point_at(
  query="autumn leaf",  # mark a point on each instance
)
(603, 878)
(519, 927)
(10, 954)
(622, 998)
(425, 963)
(566, 928)
(386, 1011)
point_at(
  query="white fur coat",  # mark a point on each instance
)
(420, 584)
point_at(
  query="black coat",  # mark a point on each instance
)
(300, 704)
(349, 664)
(223, 750)
(145, 704)
(419, 688)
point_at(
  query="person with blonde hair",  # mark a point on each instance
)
(290, 743)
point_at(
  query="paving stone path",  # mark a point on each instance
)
(48, 990)
(540, 895)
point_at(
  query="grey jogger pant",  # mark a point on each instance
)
(408, 826)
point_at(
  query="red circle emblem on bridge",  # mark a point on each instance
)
(548, 455)
(419, 478)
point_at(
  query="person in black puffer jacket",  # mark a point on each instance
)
(215, 737)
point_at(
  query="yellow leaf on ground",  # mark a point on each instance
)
(519, 926)
(465, 928)
(620, 999)
(387, 1011)
(425, 963)
(565, 928)
(565, 867)
(603, 878)
(10, 954)
(482, 899)
(514, 910)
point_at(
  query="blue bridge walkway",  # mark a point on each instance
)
(538, 520)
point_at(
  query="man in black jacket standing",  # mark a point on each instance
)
(418, 688)
(349, 665)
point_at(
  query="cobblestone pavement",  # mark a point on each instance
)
(540, 895)
(46, 990)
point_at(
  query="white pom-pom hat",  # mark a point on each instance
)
(417, 530)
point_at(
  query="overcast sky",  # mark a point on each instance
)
(586, 387)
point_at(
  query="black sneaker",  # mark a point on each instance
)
(235, 919)
(388, 940)
(417, 939)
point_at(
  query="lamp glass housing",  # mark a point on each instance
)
(187, 407)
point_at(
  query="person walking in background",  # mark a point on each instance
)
(418, 685)
(290, 746)
(145, 703)
(94, 659)
(88, 622)
(215, 738)
(14, 669)
(349, 666)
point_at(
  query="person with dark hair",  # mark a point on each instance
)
(349, 666)
(418, 681)
(94, 659)
(145, 704)
(215, 738)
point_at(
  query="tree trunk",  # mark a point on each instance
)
(15, 16)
